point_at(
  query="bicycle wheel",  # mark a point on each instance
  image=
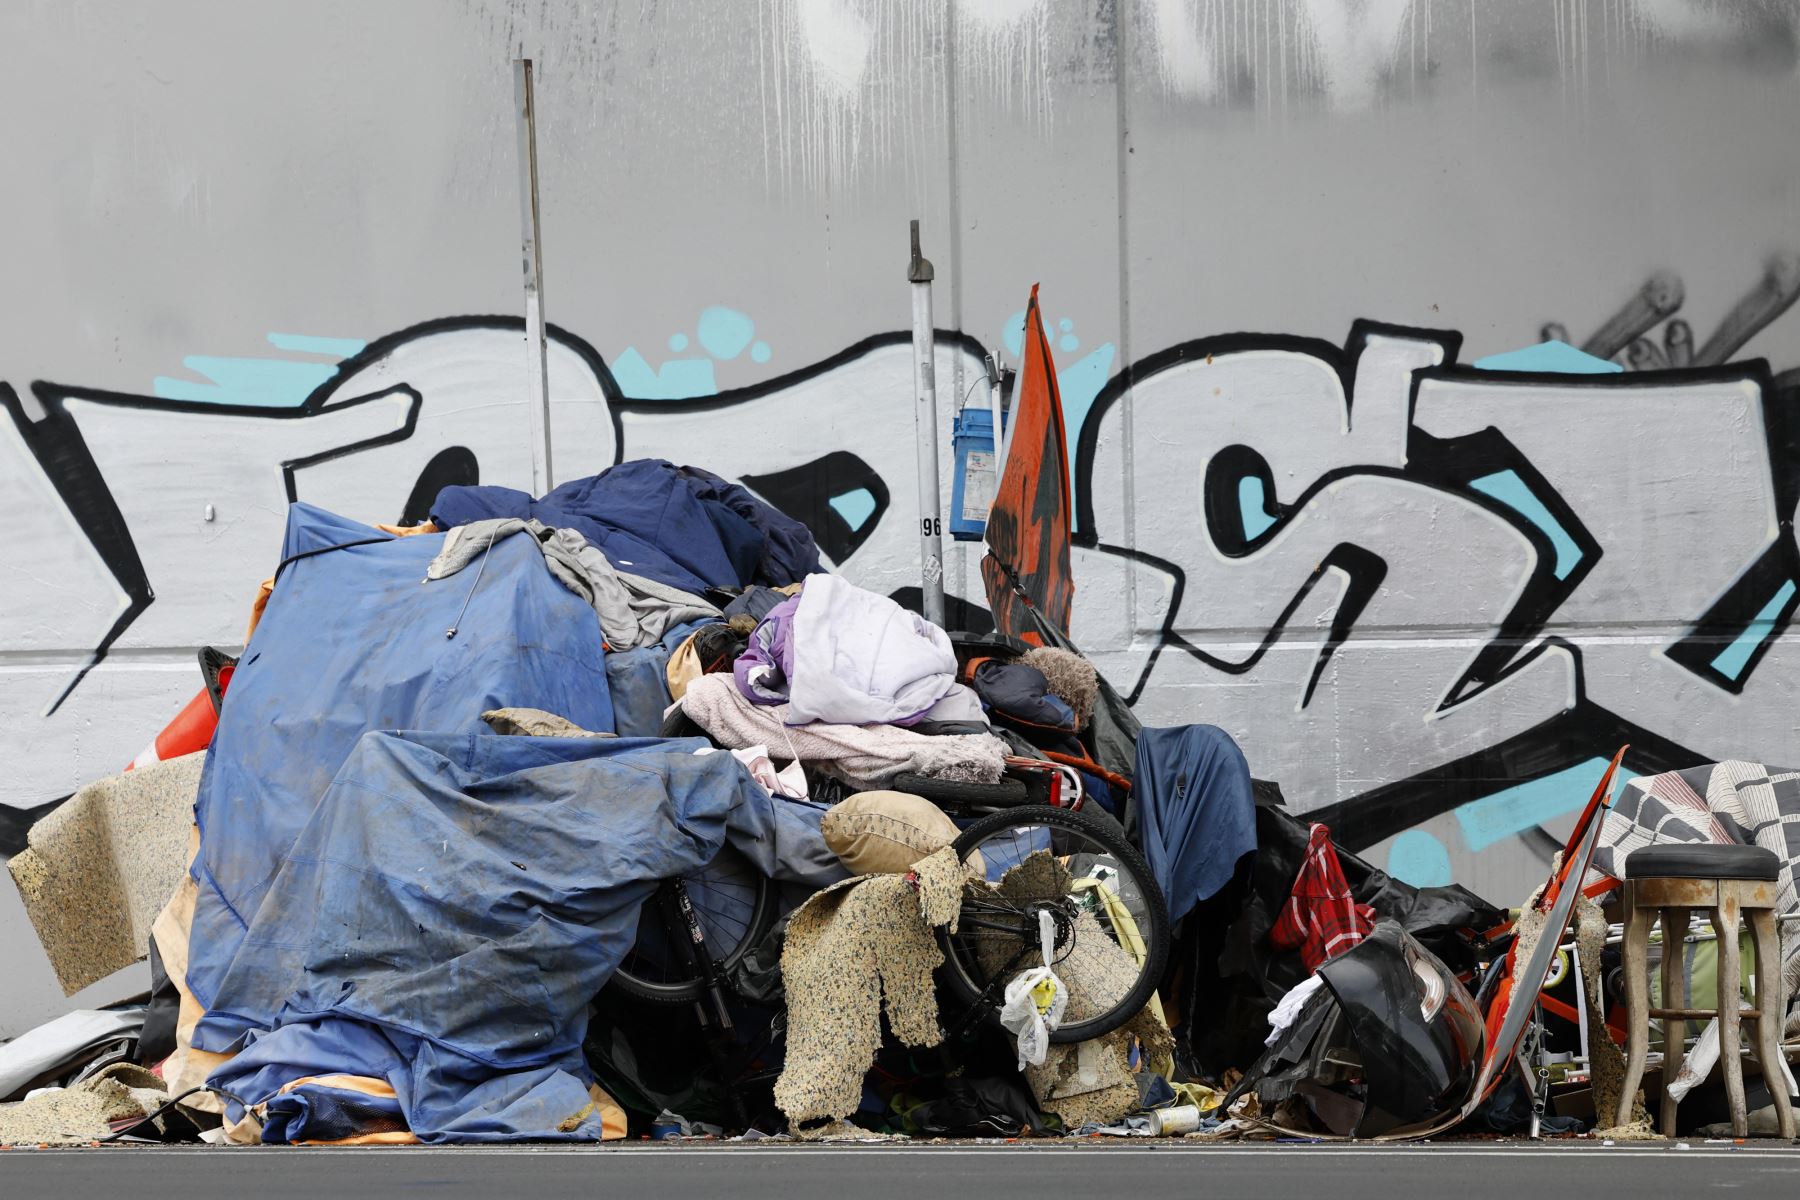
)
(735, 905)
(1110, 920)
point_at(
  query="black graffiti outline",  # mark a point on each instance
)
(1562, 740)
(56, 443)
(1565, 739)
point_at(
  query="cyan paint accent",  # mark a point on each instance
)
(1506, 487)
(855, 507)
(1419, 858)
(1251, 508)
(1734, 658)
(259, 382)
(760, 352)
(1494, 818)
(678, 342)
(725, 332)
(1553, 356)
(1079, 382)
(262, 382)
(676, 379)
(1012, 334)
(306, 344)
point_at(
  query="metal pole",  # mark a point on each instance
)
(996, 404)
(537, 374)
(925, 417)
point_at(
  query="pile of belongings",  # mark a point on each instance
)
(389, 896)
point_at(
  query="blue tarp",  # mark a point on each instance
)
(352, 640)
(638, 681)
(450, 907)
(1196, 810)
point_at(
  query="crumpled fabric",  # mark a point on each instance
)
(867, 755)
(854, 950)
(634, 610)
(647, 516)
(789, 783)
(840, 654)
(1289, 1007)
(1195, 809)
(1321, 919)
(1021, 694)
(351, 641)
(789, 551)
(780, 833)
(449, 910)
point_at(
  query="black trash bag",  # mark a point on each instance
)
(1389, 1042)
(973, 1107)
(757, 975)
(157, 1039)
(1234, 976)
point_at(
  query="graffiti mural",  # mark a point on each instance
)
(1420, 592)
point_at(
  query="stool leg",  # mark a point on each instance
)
(1773, 1006)
(1637, 1004)
(1731, 1052)
(1674, 995)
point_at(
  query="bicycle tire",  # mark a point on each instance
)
(1156, 936)
(954, 793)
(636, 986)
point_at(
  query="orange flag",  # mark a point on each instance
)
(1026, 567)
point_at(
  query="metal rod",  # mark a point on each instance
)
(996, 403)
(537, 375)
(925, 425)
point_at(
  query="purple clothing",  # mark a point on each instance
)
(763, 668)
(845, 656)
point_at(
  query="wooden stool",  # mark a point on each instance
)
(1665, 882)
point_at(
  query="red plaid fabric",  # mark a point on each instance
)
(1321, 918)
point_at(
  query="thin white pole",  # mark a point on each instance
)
(925, 423)
(537, 374)
(996, 388)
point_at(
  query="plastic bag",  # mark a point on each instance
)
(1035, 1002)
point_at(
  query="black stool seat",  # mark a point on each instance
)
(1702, 860)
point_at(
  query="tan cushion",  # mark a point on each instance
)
(875, 833)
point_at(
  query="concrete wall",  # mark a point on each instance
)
(262, 251)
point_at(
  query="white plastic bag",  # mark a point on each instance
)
(1035, 1002)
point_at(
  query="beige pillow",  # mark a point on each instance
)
(885, 833)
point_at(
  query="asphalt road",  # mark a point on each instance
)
(1046, 1171)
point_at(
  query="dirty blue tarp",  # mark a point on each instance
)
(1196, 811)
(352, 640)
(647, 516)
(448, 910)
(638, 681)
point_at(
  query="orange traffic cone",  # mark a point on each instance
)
(191, 730)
